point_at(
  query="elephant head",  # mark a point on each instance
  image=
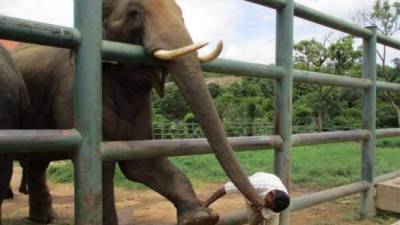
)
(159, 27)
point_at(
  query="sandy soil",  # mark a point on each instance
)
(147, 207)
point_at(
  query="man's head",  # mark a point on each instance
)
(277, 200)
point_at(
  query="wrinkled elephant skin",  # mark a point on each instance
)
(13, 105)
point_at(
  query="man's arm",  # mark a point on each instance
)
(218, 194)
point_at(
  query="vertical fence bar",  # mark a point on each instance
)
(283, 94)
(367, 204)
(87, 161)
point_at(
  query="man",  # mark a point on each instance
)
(270, 188)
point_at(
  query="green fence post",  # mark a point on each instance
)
(367, 205)
(87, 161)
(283, 94)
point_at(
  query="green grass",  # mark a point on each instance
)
(318, 166)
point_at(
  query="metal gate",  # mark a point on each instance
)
(89, 150)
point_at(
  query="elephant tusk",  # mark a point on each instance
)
(176, 53)
(212, 55)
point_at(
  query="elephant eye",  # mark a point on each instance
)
(133, 13)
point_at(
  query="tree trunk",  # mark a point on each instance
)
(398, 115)
(395, 105)
(320, 116)
(320, 110)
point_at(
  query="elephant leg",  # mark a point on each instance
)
(40, 209)
(109, 211)
(165, 178)
(6, 167)
(23, 187)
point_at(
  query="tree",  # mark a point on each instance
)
(385, 16)
(392, 75)
(342, 55)
(172, 106)
(313, 55)
(246, 101)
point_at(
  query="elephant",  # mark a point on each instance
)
(23, 186)
(14, 103)
(158, 26)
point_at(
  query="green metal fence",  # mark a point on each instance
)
(89, 150)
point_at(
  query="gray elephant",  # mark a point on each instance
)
(23, 186)
(13, 105)
(126, 108)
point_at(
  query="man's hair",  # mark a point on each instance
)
(281, 201)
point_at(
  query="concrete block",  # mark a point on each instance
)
(388, 195)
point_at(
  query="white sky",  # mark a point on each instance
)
(248, 30)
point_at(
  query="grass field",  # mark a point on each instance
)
(313, 167)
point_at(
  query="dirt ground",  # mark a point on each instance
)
(147, 207)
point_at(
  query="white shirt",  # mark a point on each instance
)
(263, 183)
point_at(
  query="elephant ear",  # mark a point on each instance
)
(158, 81)
(108, 7)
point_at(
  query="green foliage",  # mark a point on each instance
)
(388, 143)
(385, 16)
(310, 54)
(172, 106)
(247, 100)
(342, 54)
(321, 105)
(215, 90)
(61, 172)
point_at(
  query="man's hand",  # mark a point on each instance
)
(257, 220)
(214, 197)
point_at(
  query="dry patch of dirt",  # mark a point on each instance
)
(223, 81)
(147, 207)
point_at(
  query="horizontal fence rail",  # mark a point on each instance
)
(388, 132)
(320, 197)
(29, 141)
(330, 79)
(128, 150)
(329, 137)
(238, 68)
(165, 148)
(39, 33)
(386, 86)
(387, 177)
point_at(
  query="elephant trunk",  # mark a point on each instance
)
(188, 76)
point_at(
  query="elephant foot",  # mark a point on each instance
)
(198, 216)
(43, 216)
